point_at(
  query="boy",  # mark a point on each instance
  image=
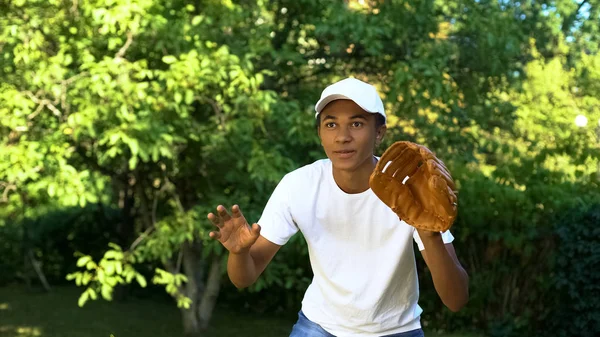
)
(365, 279)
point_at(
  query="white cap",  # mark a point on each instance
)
(363, 94)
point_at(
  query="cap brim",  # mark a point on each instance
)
(333, 97)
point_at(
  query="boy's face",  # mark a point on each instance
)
(348, 134)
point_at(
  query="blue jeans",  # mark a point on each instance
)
(307, 328)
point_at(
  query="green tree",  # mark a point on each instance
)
(124, 103)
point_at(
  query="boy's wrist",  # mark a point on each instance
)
(428, 234)
(428, 237)
(241, 252)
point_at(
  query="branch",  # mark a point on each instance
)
(36, 112)
(151, 228)
(155, 201)
(219, 113)
(141, 238)
(178, 201)
(74, 7)
(121, 53)
(43, 103)
(53, 109)
(179, 260)
(571, 18)
(64, 85)
(216, 108)
(170, 267)
(320, 71)
(7, 188)
(74, 77)
(38, 270)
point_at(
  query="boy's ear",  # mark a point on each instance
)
(380, 134)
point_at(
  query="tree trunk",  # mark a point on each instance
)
(126, 227)
(197, 317)
(125, 230)
(211, 293)
(192, 268)
(191, 326)
(27, 248)
(38, 270)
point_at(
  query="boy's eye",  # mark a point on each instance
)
(357, 124)
(330, 125)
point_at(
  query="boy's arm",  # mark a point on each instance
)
(249, 252)
(451, 281)
(245, 267)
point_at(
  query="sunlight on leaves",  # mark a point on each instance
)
(20, 331)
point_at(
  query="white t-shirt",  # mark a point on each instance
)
(365, 279)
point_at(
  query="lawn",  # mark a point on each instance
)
(25, 313)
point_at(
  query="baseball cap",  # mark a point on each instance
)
(363, 94)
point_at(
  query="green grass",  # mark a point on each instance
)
(26, 313)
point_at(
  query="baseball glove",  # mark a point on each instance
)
(416, 185)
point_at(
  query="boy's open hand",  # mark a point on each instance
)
(234, 231)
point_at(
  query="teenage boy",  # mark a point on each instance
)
(365, 278)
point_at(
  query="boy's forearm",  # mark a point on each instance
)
(241, 269)
(449, 278)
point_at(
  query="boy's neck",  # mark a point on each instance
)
(356, 181)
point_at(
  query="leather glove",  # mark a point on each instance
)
(427, 198)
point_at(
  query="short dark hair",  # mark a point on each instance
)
(379, 121)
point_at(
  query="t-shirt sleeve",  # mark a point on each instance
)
(276, 222)
(447, 237)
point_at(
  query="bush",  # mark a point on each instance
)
(10, 251)
(508, 239)
(576, 276)
(53, 238)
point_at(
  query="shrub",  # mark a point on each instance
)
(508, 238)
(576, 274)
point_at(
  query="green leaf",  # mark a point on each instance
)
(112, 281)
(141, 280)
(82, 261)
(189, 97)
(106, 292)
(109, 267)
(83, 298)
(115, 246)
(169, 59)
(91, 265)
(51, 190)
(197, 20)
(133, 162)
(93, 294)
(129, 275)
(113, 254)
(86, 278)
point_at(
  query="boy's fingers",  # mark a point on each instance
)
(256, 229)
(223, 213)
(215, 235)
(235, 211)
(215, 220)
